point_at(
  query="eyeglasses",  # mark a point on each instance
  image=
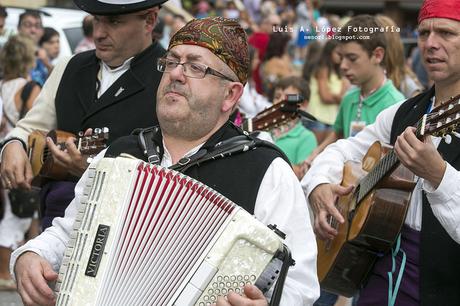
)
(191, 70)
(29, 25)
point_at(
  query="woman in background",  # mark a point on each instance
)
(402, 76)
(327, 89)
(18, 94)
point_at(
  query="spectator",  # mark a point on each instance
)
(30, 24)
(296, 141)
(327, 89)
(87, 42)
(277, 63)
(259, 40)
(17, 58)
(402, 76)
(51, 44)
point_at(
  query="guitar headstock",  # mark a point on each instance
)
(444, 119)
(94, 143)
(275, 115)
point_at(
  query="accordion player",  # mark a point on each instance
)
(147, 235)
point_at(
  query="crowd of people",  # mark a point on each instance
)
(197, 81)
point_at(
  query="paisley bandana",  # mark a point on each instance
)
(222, 36)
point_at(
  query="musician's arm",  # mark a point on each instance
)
(328, 166)
(52, 242)
(280, 201)
(445, 201)
(42, 115)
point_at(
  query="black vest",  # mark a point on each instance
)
(439, 253)
(128, 104)
(237, 177)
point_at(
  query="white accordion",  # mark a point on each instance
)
(146, 235)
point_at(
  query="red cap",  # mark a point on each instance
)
(449, 9)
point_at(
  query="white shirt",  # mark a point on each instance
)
(280, 201)
(445, 200)
(251, 102)
(109, 75)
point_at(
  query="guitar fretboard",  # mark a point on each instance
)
(386, 165)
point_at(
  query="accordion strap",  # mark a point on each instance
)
(234, 145)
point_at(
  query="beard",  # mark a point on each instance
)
(191, 119)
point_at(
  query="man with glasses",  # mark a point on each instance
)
(113, 86)
(205, 69)
(30, 24)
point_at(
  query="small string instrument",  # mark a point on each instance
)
(274, 116)
(41, 159)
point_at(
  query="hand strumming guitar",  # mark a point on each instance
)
(322, 199)
(70, 157)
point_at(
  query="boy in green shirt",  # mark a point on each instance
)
(296, 141)
(362, 64)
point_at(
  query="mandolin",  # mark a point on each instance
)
(375, 212)
(275, 115)
(41, 159)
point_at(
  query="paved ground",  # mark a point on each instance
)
(9, 298)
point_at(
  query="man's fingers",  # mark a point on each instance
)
(253, 292)
(235, 299)
(30, 292)
(341, 190)
(88, 132)
(325, 225)
(221, 301)
(58, 154)
(26, 299)
(72, 150)
(48, 272)
(29, 174)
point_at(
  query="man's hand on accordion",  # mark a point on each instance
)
(32, 276)
(254, 297)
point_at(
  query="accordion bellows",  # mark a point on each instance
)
(146, 235)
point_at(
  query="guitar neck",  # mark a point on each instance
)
(386, 165)
(248, 125)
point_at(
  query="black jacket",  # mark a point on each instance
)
(128, 104)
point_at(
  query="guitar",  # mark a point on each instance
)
(42, 161)
(275, 115)
(375, 212)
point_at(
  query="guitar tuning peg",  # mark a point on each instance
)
(97, 131)
(80, 134)
(105, 129)
(456, 134)
(448, 138)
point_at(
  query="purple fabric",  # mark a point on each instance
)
(56, 196)
(375, 293)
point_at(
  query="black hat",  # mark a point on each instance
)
(115, 7)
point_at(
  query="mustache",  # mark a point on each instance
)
(177, 88)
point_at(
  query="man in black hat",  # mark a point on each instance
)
(113, 86)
